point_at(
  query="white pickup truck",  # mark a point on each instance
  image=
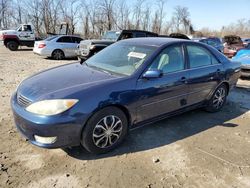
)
(22, 36)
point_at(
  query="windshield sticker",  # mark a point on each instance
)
(137, 55)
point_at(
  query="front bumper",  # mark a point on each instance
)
(66, 129)
(83, 54)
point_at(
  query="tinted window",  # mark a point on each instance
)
(151, 35)
(199, 57)
(170, 60)
(27, 28)
(76, 40)
(126, 35)
(138, 34)
(50, 38)
(65, 39)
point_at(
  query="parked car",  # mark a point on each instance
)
(88, 48)
(232, 44)
(23, 35)
(179, 36)
(246, 41)
(243, 56)
(57, 47)
(212, 41)
(128, 84)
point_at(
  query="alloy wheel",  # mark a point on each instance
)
(107, 131)
(58, 55)
(219, 98)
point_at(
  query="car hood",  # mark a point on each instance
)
(66, 77)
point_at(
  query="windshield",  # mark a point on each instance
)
(111, 35)
(122, 59)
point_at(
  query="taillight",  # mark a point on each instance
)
(42, 45)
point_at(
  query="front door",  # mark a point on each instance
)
(158, 96)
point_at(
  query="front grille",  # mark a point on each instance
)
(83, 46)
(23, 101)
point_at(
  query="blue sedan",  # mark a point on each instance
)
(128, 84)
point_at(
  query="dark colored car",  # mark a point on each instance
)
(88, 48)
(128, 84)
(179, 36)
(212, 41)
(232, 44)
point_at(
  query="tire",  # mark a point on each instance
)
(12, 45)
(58, 55)
(98, 136)
(218, 99)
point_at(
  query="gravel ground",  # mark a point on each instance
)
(195, 149)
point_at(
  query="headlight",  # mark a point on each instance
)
(51, 107)
(92, 47)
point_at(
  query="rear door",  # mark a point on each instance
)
(205, 73)
(66, 44)
(75, 42)
(168, 93)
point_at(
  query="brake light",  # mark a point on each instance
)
(42, 45)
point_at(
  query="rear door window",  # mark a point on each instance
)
(65, 40)
(76, 40)
(200, 57)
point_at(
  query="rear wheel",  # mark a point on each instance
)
(218, 99)
(12, 45)
(105, 130)
(58, 55)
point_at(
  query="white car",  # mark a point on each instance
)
(57, 47)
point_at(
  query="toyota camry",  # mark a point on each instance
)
(128, 84)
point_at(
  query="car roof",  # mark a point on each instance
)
(152, 41)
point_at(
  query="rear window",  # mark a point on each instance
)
(50, 38)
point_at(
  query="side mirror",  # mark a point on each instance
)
(155, 73)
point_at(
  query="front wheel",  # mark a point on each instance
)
(12, 45)
(218, 99)
(105, 130)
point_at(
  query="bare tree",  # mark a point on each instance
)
(107, 10)
(4, 5)
(161, 6)
(181, 19)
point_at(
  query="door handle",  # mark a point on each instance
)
(184, 79)
(218, 71)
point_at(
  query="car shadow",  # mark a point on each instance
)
(167, 131)
(25, 49)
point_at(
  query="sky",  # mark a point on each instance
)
(213, 14)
